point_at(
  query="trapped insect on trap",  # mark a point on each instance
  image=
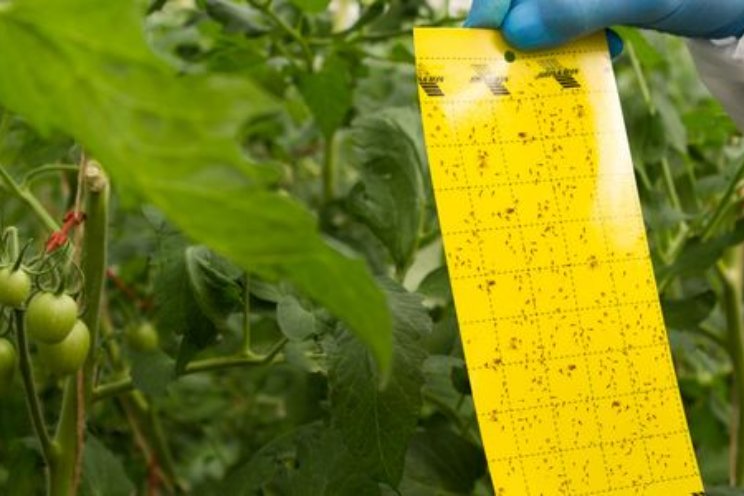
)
(563, 333)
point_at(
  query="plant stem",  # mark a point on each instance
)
(731, 281)
(711, 227)
(62, 468)
(265, 8)
(70, 430)
(29, 199)
(140, 415)
(671, 188)
(357, 37)
(723, 204)
(642, 83)
(222, 363)
(247, 316)
(95, 246)
(708, 333)
(32, 397)
(669, 184)
(125, 384)
(160, 444)
(11, 236)
(46, 169)
(463, 424)
(155, 6)
(329, 169)
(113, 388)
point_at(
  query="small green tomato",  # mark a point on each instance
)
(50, 317)
(67, 356)
(143, 337)
(8, 361)
(15, 286)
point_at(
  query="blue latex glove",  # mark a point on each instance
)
(533, 24)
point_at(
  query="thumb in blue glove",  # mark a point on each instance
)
(533, 24)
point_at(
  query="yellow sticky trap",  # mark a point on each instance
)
(563, 333)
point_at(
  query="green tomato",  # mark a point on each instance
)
(50, 317)
(8, 360)
(14, 287)
(143, 337)
(67, 356)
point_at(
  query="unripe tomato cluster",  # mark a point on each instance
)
(50, 319)
(62, 339)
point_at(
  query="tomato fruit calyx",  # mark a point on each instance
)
(67, 356)
(15, 287)
(8, 362)
(50, 317)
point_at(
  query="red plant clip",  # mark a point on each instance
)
(58, 238)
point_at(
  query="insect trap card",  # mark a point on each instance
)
(563, 333)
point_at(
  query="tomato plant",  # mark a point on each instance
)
(249, 177)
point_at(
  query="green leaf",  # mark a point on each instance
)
(647, 54)
(461, 380)
(265, 291)
(698, 256)
(710, 434)
(699, 358)
(436, 286)
(196, 291)
(23, 464)
(263, 468)
(312, 6)
(390, 197)
(214, 284)
(289, 247)
(441, 460)
(83, 67)
(438, 372)
(103, 473)
(152, 372)
(659, 214)
(371, 13)
(309, 461)
(709, 125)
(237, 18)
(327, 94)
(295, 322)
(377, 424)
(687, 313)
(723, 491)
(23, 146)
(327, 468)
(649, 139)
(178, 310)
(674, 129)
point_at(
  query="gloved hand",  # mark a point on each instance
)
(532, 24)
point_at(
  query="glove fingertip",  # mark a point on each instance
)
(615, 43)
(524, 28)
(487, 14)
